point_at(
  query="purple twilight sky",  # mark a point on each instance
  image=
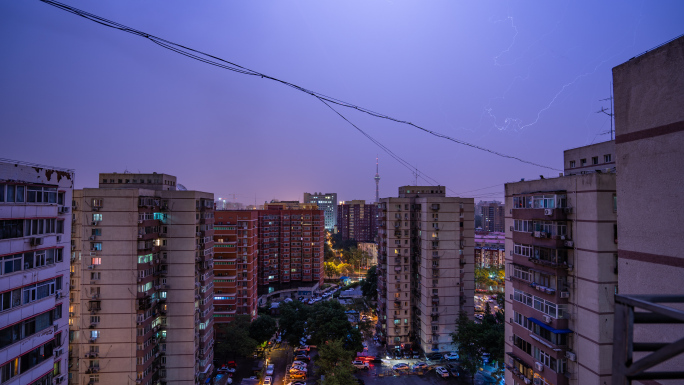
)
(521, 77)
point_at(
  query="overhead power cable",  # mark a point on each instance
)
(222, 63)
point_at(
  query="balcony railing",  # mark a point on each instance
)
(625, 369)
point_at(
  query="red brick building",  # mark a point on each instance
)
(235, 264)
(290, 245)
(357, 220)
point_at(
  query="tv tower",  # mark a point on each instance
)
(377, 181)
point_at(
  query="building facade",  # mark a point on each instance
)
(141, 304)
(560, 279)
(425, 267)
(357, 220)
(599, 157)
(492, 215)
(35, 234)
(235, 265)
(649, 144)
(290, 245)
(490, 249)
(326, 202)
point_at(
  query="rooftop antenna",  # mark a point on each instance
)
(609, 112)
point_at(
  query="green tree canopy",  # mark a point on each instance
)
(330, 269)
(235, 340)
(370, 284)
(262, 328)
(334, 361)
(328, 322)
(293, 317)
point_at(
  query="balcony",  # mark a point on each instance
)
(651, 311)
(555, 214)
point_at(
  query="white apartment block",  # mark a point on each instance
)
(35, 229)
(141, 308)
(425, 267)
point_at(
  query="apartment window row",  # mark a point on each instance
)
(540, 202)
(558, 366)
(548, 227)
(19, 228)
(28, 327)
(546, 307)
(26, 362)
(607, 158)
(30, 293)
(11, 193)
(30, 260)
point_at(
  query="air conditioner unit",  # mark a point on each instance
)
(569, 243)
(95, 208)
(547, 319)
(140, 279)
(91, 267)
(548, 211)
(537, 234)
(570, 355)
(539, 366)
(58, 295)
(35, 241)
(565, 294)
(139, 235)
(59, 380)
(562, 237)
(92, 238)
(57, 352)
(94, 223)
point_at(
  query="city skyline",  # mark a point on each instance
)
(97, 100)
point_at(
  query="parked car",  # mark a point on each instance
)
(302, 357)
(304, 347)
(358, 364)
(268, 380)
(300, 363)
(441, 371)
(433, 356)
(269, 370)
(388, 355)
(451, 356)
(298, 376)
(420, 366)
(295, 369)
(400, 366)
(297, 383)
(416, 355)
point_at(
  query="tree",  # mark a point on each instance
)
(328, 321)
(235, 339)
(345, 269)
(334, 361)
(370, 284)
(293, 317)
(467, 338)
(262, 328)
(330, 269)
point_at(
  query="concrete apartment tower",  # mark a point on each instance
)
(35, 233)
(326, 202)
(492, 214)
(561, 273)
(142, 282)
(649, 127)
(425, 267)
(235, 264)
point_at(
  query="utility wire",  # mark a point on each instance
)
(221, 63)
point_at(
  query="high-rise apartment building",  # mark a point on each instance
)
(326, 202)
(425, 267)
(235, 264)
(141, 304)
(290, 245)
(357, 220)
(492, 215)
(35, 230)
(561, 277)
(649, 141)
(490, 249)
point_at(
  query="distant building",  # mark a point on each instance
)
(561, 273)
(290, 245)
(35, 246)
(425, 267)
(235, 264)
(492, 215)
(326, 202)
(357, 220)
(599, 157)
(371, 249)
(222, 204)
(141, 303)
(287, 205)
(490, 249)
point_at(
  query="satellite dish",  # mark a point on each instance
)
(180, 187)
